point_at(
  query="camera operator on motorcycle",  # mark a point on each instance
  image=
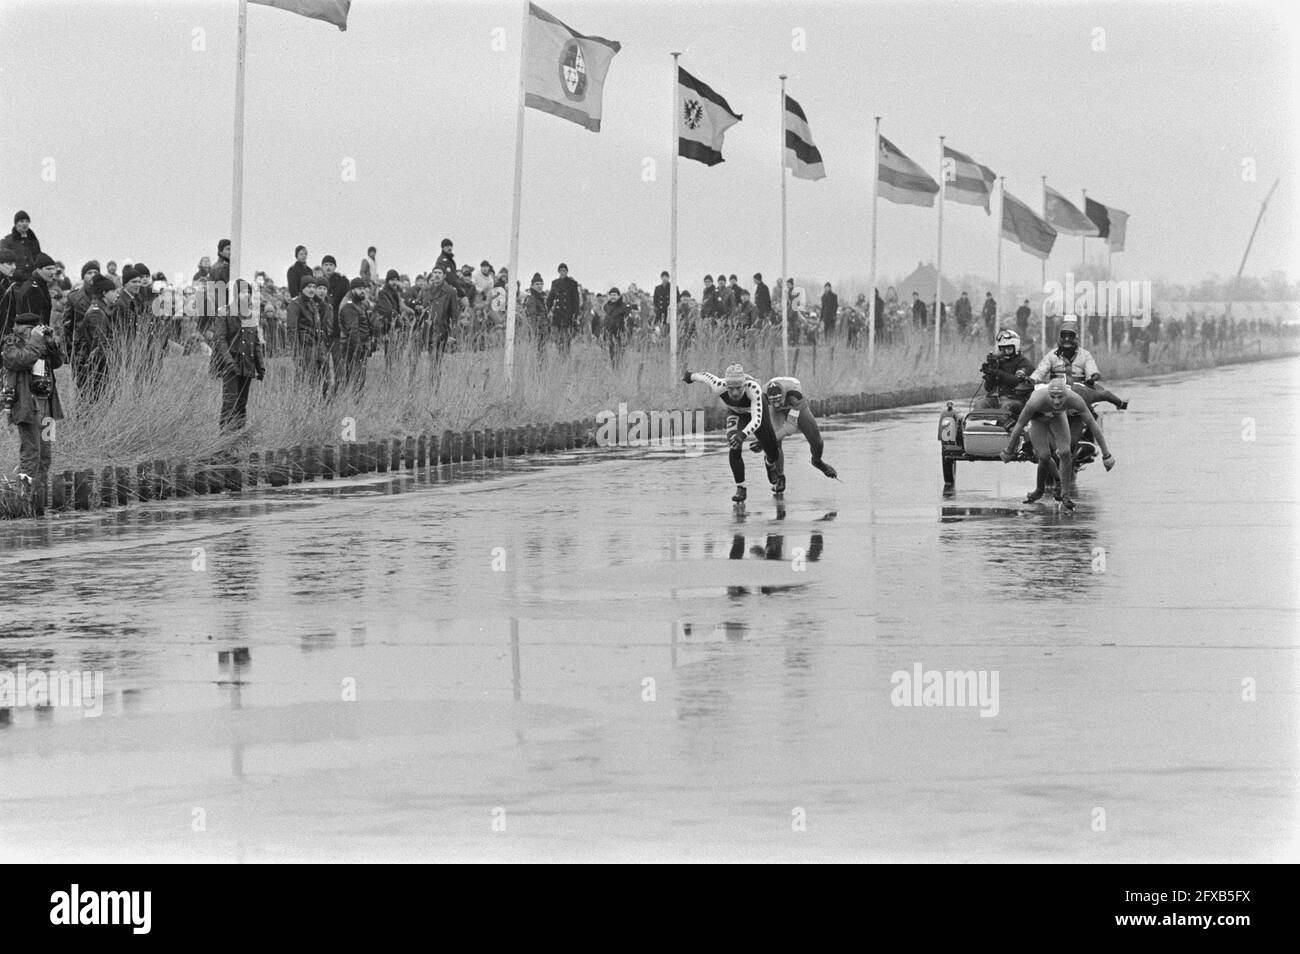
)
(1076, 365)
(1006, 374)
(1044, 415)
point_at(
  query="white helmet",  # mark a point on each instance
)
(1008, 338)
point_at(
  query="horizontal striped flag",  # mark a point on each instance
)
(1111, 223)
(966, 180)
(801, 156)
(1021, 225)
(702, 119)
(901, 180)
(331, 11)
(1063, 215)
(564, 71)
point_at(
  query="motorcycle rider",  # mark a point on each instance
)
(1006, 374)
(1044, 414)
(791, 412)
(1075, 364)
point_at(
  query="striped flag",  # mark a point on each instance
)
(1021, 225)
(564, 74)
(1111, 223)
(701, 121)
(331, 11)
(1064, 216)
(967, 181)
(901, 180)
(801, 156)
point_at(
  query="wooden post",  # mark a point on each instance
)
(122, 481)
(329, 461)
(410, 453)
(444, 448)
(421, 452)
(107, 488)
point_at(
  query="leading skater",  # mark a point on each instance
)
(748, 418)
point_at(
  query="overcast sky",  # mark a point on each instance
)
(119, 117)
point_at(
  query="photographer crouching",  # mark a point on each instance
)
(29, 355)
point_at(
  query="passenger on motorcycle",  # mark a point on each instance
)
(1006, 374)
(790, 412)
(1045, 416)
(1075, 364)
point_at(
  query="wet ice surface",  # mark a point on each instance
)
(518, 695)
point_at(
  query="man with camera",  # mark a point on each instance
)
(29, 356)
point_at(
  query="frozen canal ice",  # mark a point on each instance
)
(591, 655)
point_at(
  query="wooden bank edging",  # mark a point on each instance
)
(173, 479)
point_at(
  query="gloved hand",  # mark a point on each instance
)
(1108, 461)
(1022, 374)
(686, 376)
(735, 439)
(261, 375)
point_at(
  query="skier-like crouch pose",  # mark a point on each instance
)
(791, 411)
(748, 418)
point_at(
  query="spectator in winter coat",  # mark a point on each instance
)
(352, 337)
(34, 294)
(368, 269)
(830, 309)
(762, 299)
(919, 315)
(29, 355)
(94, 328)
(614, 324)
(24, 245)
(441, 311)
(311, 321)
(989, 314)
(962, 312)
(563, 302)
(204, 270)
(221, 270)
(535, 309)
(1022, 319)
(336, 283)
(237, 357)
(293, 279)
(8, 291)
(77, 304)
(391, 317)
(663, 298)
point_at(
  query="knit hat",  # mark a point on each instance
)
(392, 274)
(6, 256)
(102, 285)
(446, 242)
(329, 260)
(309, 280)
(358, 283)
(537, 277)
(562, 266)
(20, 215)
(88, 266)
(42, 261)
(735, 376)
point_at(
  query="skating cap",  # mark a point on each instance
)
(1057, 386)
(734, 377)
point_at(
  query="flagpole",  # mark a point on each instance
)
(672, 253)
(512, 298)
(871, 285)
(1083, 239)
(1083, 261)
(237, 179)
(785, 304)
(1002, 201)
(938, 264)
(1042, 308)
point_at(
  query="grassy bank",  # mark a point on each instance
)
(171, 414)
